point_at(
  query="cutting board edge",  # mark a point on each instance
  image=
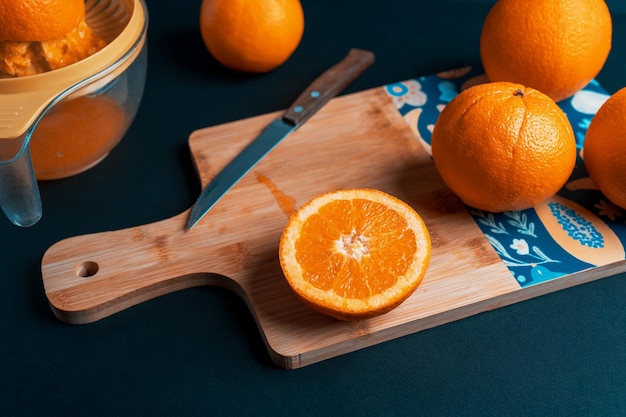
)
(507, 299)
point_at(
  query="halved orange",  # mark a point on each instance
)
(354, 253)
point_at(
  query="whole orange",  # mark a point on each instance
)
(604, 148)
(253, 36)
(503, 147)
(39, 20)
(555, 46)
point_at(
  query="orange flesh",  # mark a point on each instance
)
(354, 254)
(364, 262)
(23, 58)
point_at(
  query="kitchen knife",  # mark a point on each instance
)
(324, 88)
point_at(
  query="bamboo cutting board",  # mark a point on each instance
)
(358, 140)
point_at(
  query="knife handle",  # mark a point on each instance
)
(328, 85)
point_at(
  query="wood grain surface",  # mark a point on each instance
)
(358, 140)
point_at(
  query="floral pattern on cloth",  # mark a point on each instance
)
(576, 230)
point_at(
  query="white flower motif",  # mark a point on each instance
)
(521, 246)
(408, 92)
(588, 102)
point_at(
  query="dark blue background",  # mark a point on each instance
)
(198, 352)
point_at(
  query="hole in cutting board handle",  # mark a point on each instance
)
(87, 269)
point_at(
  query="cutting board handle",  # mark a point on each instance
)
(89, 277)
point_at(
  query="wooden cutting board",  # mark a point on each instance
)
(358, 140)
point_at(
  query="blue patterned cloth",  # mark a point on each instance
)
(576, 230)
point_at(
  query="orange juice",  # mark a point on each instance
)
(75, 135)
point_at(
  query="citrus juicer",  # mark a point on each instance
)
(24, 101)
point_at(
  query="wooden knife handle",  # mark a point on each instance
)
(328, 85)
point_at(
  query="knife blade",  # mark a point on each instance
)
(314, 97)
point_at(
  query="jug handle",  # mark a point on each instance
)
(19, 193)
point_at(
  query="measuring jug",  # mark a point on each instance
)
(34, 109)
